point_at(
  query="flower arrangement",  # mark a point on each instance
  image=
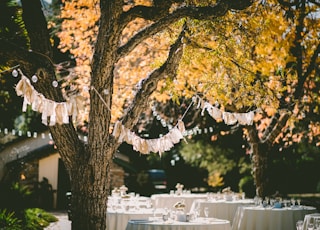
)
(180, 205)
(180, 214)
(179, 188)
(228, 194)
(227, 190)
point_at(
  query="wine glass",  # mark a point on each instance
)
(206, 212)
(317, 223)
(299, 202)
(299, 225)
(310, 226)
(196, 212)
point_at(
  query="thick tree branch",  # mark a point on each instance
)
(277, 128)
(149, 84)
(65, 136)
(147, 12)
(288, 3)
(32, 9)
(201, 13)
(12, 55)
(310, 68)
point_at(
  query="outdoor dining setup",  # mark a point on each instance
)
(226, 210)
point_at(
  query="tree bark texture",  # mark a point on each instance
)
(90, 189)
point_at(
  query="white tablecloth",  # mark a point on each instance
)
(260, 218)
(168, 200)
(220, 208)
(118, 219)
(307, 219)
(200, 224)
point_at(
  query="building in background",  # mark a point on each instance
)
(36, 163)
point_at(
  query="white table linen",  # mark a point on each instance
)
(199, 224)
(168, 200)
(260, 218)
(221, 209)
(307, 219)
(118, 219)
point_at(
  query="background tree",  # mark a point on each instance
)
(267, 63)
(11, 28)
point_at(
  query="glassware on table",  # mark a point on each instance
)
(310, 226)
(317, 223)
(165, 215)
(313, 223)
(196, 213)
(206, 212)
(298, 202)
(299, 225)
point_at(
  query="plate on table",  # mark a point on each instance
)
(140, 221)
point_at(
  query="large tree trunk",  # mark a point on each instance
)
(260, 150)
(259, 162)
(90, 184)
(260, 153)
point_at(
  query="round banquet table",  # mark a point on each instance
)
(307, 219)
(260, 218)
(169, 200)
(199, 224)
(221, 209)
(118, 219)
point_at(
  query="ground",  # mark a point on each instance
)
(62, 224)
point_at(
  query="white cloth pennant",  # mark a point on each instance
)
(37, 102)
(245, 118)
(145, 146)
(216, 113)
(52, 113)
(229, 118)
(62, 116)
(58, 112)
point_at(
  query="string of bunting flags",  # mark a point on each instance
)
(59, 113)
(145, 146)
(228, 117)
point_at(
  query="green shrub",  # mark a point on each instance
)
(8, 221)
(38, 219)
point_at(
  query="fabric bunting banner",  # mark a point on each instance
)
(145, 146)
(227, 117)
(57, 112)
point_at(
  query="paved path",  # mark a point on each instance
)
(62, 224)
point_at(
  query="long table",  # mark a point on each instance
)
(269, 218)
(168, 200)
(199, 224)
(221, 209)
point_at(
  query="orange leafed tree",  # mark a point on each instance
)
(240, 54)
(247, 60)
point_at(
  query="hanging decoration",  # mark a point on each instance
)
(227, 117)
(145, 146)
(57, 112)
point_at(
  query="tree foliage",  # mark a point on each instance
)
(241, 55)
